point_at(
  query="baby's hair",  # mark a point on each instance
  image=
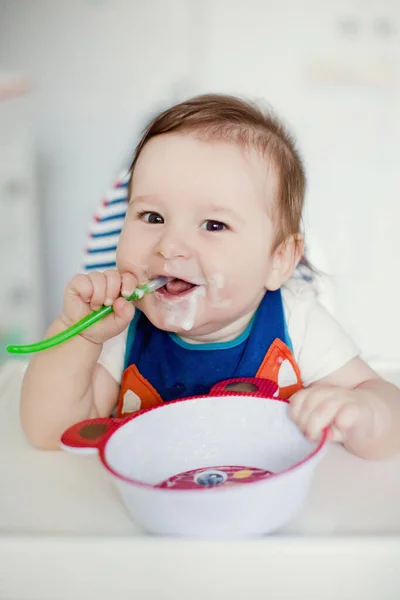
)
(223, 117)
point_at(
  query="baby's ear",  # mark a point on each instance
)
(285, 259)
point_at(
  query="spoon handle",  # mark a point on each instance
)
(86, 322)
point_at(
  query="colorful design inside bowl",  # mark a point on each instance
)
(214, 477)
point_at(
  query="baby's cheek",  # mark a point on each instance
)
(132, 257)
(126, 264)
(224, 291)
(216, 288)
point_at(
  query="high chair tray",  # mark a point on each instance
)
(64, 532)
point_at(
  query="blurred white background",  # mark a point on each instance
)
(98, 69)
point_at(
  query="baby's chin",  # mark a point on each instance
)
(167, 320)
(173, 324)
(175, 314)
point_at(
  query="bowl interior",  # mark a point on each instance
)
(205, 432)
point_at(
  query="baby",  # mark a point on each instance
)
(215, 205)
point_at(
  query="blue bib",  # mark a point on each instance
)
(177, 369)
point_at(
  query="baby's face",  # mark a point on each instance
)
(200, 212)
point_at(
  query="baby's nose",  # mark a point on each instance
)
(173, 247)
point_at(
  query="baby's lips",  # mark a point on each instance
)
(176, 286)
(183, 277)
(188, 270)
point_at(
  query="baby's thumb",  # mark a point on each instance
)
(123, 314)
(347, 417)
(334, 434)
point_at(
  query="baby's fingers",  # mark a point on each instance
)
(323, 416)
(80, 286)
(347, 416)
(99, 283)
(304, 403)
(335, 412)
(128, 284)
(296, 404)
(113, 286)
(123, 313)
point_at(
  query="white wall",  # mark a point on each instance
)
(332, 69)
(98, 70)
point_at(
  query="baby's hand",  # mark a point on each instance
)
(346, 412)
(86, 293)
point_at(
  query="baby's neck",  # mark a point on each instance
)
(226, 334)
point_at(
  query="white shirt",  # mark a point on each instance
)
(320, 345)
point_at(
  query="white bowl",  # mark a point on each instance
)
(251, 433)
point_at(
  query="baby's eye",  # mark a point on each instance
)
(151, 217)
(213, 225)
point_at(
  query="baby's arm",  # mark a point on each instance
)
(64, 385)
(362, 409)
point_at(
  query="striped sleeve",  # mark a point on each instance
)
(105, 228)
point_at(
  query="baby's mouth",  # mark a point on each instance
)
(177, 287)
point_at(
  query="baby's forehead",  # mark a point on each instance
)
(182, 162)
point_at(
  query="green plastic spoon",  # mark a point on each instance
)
(63, 336)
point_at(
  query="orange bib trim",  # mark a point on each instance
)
(278, 365)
